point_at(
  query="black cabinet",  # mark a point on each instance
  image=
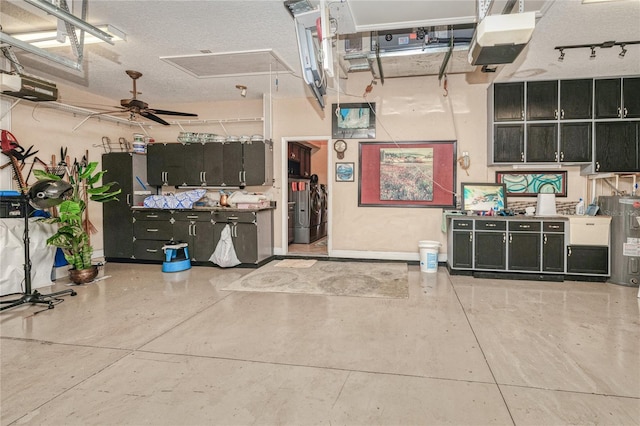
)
(233, 163)
(462, 240)
(616, 146)
(490, 245)
(165, 164)
(196, 229)
(256, 162)
(117, 223)
(576, 97)
(152, 229)
(232, 166)
(553, 246)
(508, 101)
(588, 260)
(508, 143)
(617, 97)
(542, 142)
(524, 246)
(542, 100)
(251, 233)
(608, 99)
(631, 97)
(575, 142)
(203, 164)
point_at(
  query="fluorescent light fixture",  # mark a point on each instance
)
(48, 39)
(537, 166)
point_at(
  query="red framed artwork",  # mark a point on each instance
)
(407, 174)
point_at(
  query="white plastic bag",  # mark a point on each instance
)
(225, 255)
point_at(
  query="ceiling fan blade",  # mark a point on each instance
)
(155, 118)
(164, 112)
(108, 112)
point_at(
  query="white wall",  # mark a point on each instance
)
(408, 109)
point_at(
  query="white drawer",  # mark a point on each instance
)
(589, 230)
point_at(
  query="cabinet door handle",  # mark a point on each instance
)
(204, 177)
(240, 176)
(625, 113)
(554, 226)
(525, 226)
(522, 114)
(597, 166)
(510, 238)
(152, 216)
(522, 156)
(561, 155)
(129, 199)
(152, 230)
(568, 251)
(555, 114)
(194, 230)
(504, 238)
(562, 114)
(619, 112)
(545, 238)
(491, 225)
(470, 236)
(555, 156)
(152, 250)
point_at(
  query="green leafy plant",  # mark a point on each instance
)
(73, 232)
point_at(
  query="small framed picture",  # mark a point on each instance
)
(344, 172)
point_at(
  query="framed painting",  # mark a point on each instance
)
(483, 197)
(530, 184)
(407, 174)
(353, 121)
(344, 172)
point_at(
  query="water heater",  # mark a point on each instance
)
(625, 237)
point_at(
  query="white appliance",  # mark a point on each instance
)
(625, 237)
(499, 39)
(546, 205)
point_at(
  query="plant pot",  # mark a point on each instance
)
(83, 276)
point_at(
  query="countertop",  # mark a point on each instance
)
(525, 217)
(206, 209)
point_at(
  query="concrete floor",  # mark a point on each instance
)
(144, 347)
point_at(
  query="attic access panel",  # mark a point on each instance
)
(249, 62)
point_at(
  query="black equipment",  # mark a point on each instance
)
(45, 193)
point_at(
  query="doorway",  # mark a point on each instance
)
(307, 171)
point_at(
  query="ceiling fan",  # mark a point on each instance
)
(136, 106)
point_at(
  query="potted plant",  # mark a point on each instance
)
(73, 231)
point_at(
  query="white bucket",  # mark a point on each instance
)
(429, 255)
(139, 147)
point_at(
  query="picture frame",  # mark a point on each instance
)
(407, 174)
(532, 183)
(353, 121)
(345, 172)
(483, 197)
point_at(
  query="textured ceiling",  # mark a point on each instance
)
(201, 29)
